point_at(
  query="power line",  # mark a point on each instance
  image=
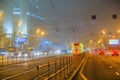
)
(55, 9)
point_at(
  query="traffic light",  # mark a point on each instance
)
(114, 16)
(93, 17)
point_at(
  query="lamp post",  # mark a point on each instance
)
(1, 20)
(16, 30)
(118, 32)
(42, 33)
(105, 39)
(99, 43)
(39, 35)
(91, 43)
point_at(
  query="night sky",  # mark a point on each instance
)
(66, 14)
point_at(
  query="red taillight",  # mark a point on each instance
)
(115, 51)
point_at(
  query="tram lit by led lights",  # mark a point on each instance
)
(77, 48)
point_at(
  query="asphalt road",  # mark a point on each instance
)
(95, 67)
(24, 71)
(101, 67)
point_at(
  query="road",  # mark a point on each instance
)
(101, 67)
(26, 70)
(95, 67)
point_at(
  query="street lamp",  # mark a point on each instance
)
(103, 32)
(38, 40)
(104, 38)
(17, 30)
(20, 23)
(37, 31)
(1, 18)
(90, 43)
(118, 31)
(99, 41)
(42, 33)
(1, 13)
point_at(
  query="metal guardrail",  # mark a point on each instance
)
(77, 74)
(15, 59)
(60, 69)
(8, 60)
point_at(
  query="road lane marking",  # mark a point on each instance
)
(117, 73)
(107, 63)
(81, 71)
(18, 74)
(13, 69)
(22, 73)
(111, 67)
(75, 70)
(8, 70)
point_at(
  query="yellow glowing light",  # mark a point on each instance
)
(118, 31)
(38, 30)
(91, 41)
(1, 12)
(42, 33)
(99, 41)
(103, 32)
(19, 33)
(20, 23)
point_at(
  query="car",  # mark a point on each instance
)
(101, 52)
(108, 53)
(115, 53)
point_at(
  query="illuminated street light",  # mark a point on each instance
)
(118, 31)
(42, 33)
(99, 41)
(39, 35)
(103, 32)
(91, 41)
(19, 33)
(1, 13)
(1, 17)
(37, 31)
(20, 23)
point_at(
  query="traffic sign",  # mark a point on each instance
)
(2, 49)
(30, 49)
(11, 49)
